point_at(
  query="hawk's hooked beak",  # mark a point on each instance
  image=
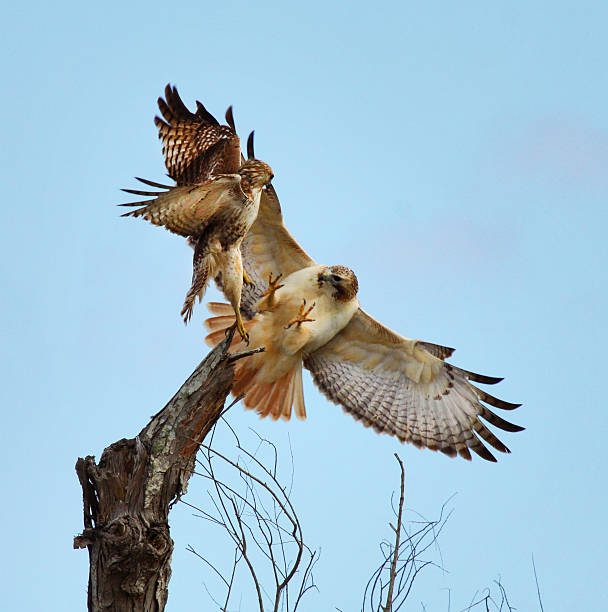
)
(330, 278)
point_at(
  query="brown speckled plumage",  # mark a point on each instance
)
(195, 146)
(216, 196)
(348, 287)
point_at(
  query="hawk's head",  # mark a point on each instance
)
(342, 280)
(256, 174)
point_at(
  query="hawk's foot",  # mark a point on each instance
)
(273, 287)
(302, 316)
(241, 328)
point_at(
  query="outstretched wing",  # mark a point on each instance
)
(188, 210)
(196, 147)
(269, 248)
(404, 388)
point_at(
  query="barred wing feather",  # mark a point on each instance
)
(195, 146)
(187, 210)
(404, 388)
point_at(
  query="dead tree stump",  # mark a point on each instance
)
(128, 495)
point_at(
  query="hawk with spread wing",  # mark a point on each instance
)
(215, 199)
(309, 316)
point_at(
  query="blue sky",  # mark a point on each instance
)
(453, 155)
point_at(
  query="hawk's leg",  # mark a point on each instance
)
(302, 316)
(233, 275)
(273, 287)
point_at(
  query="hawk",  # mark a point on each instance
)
(307, 315)
(215, 199)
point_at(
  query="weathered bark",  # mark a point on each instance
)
(128, 495)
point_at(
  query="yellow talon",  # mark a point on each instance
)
(246, 278)
(273, 287)
(302, 316)
(241, 328)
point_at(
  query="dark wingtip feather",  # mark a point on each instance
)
(485, 380)
(494, 401)
(250, 151)
(499, 422)
(142, 193)
(164, 109)
(480, 378)
(160, 123)
(172, 97)
(152, 183)
(141, 203)
(485, 434)
(484, 453)
(230, 118)
(202, 114)
(465, 453)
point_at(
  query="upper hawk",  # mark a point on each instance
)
(215, 199)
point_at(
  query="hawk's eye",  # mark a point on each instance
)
(336, 278)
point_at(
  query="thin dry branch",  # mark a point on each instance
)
(393, 571)
(540, 599)
(255, 510)
(391, 583)
(491, 602)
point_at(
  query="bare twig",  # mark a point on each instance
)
(254, 509)
(392, 581)
(247, 353)
(393, 572)
(540, 601)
